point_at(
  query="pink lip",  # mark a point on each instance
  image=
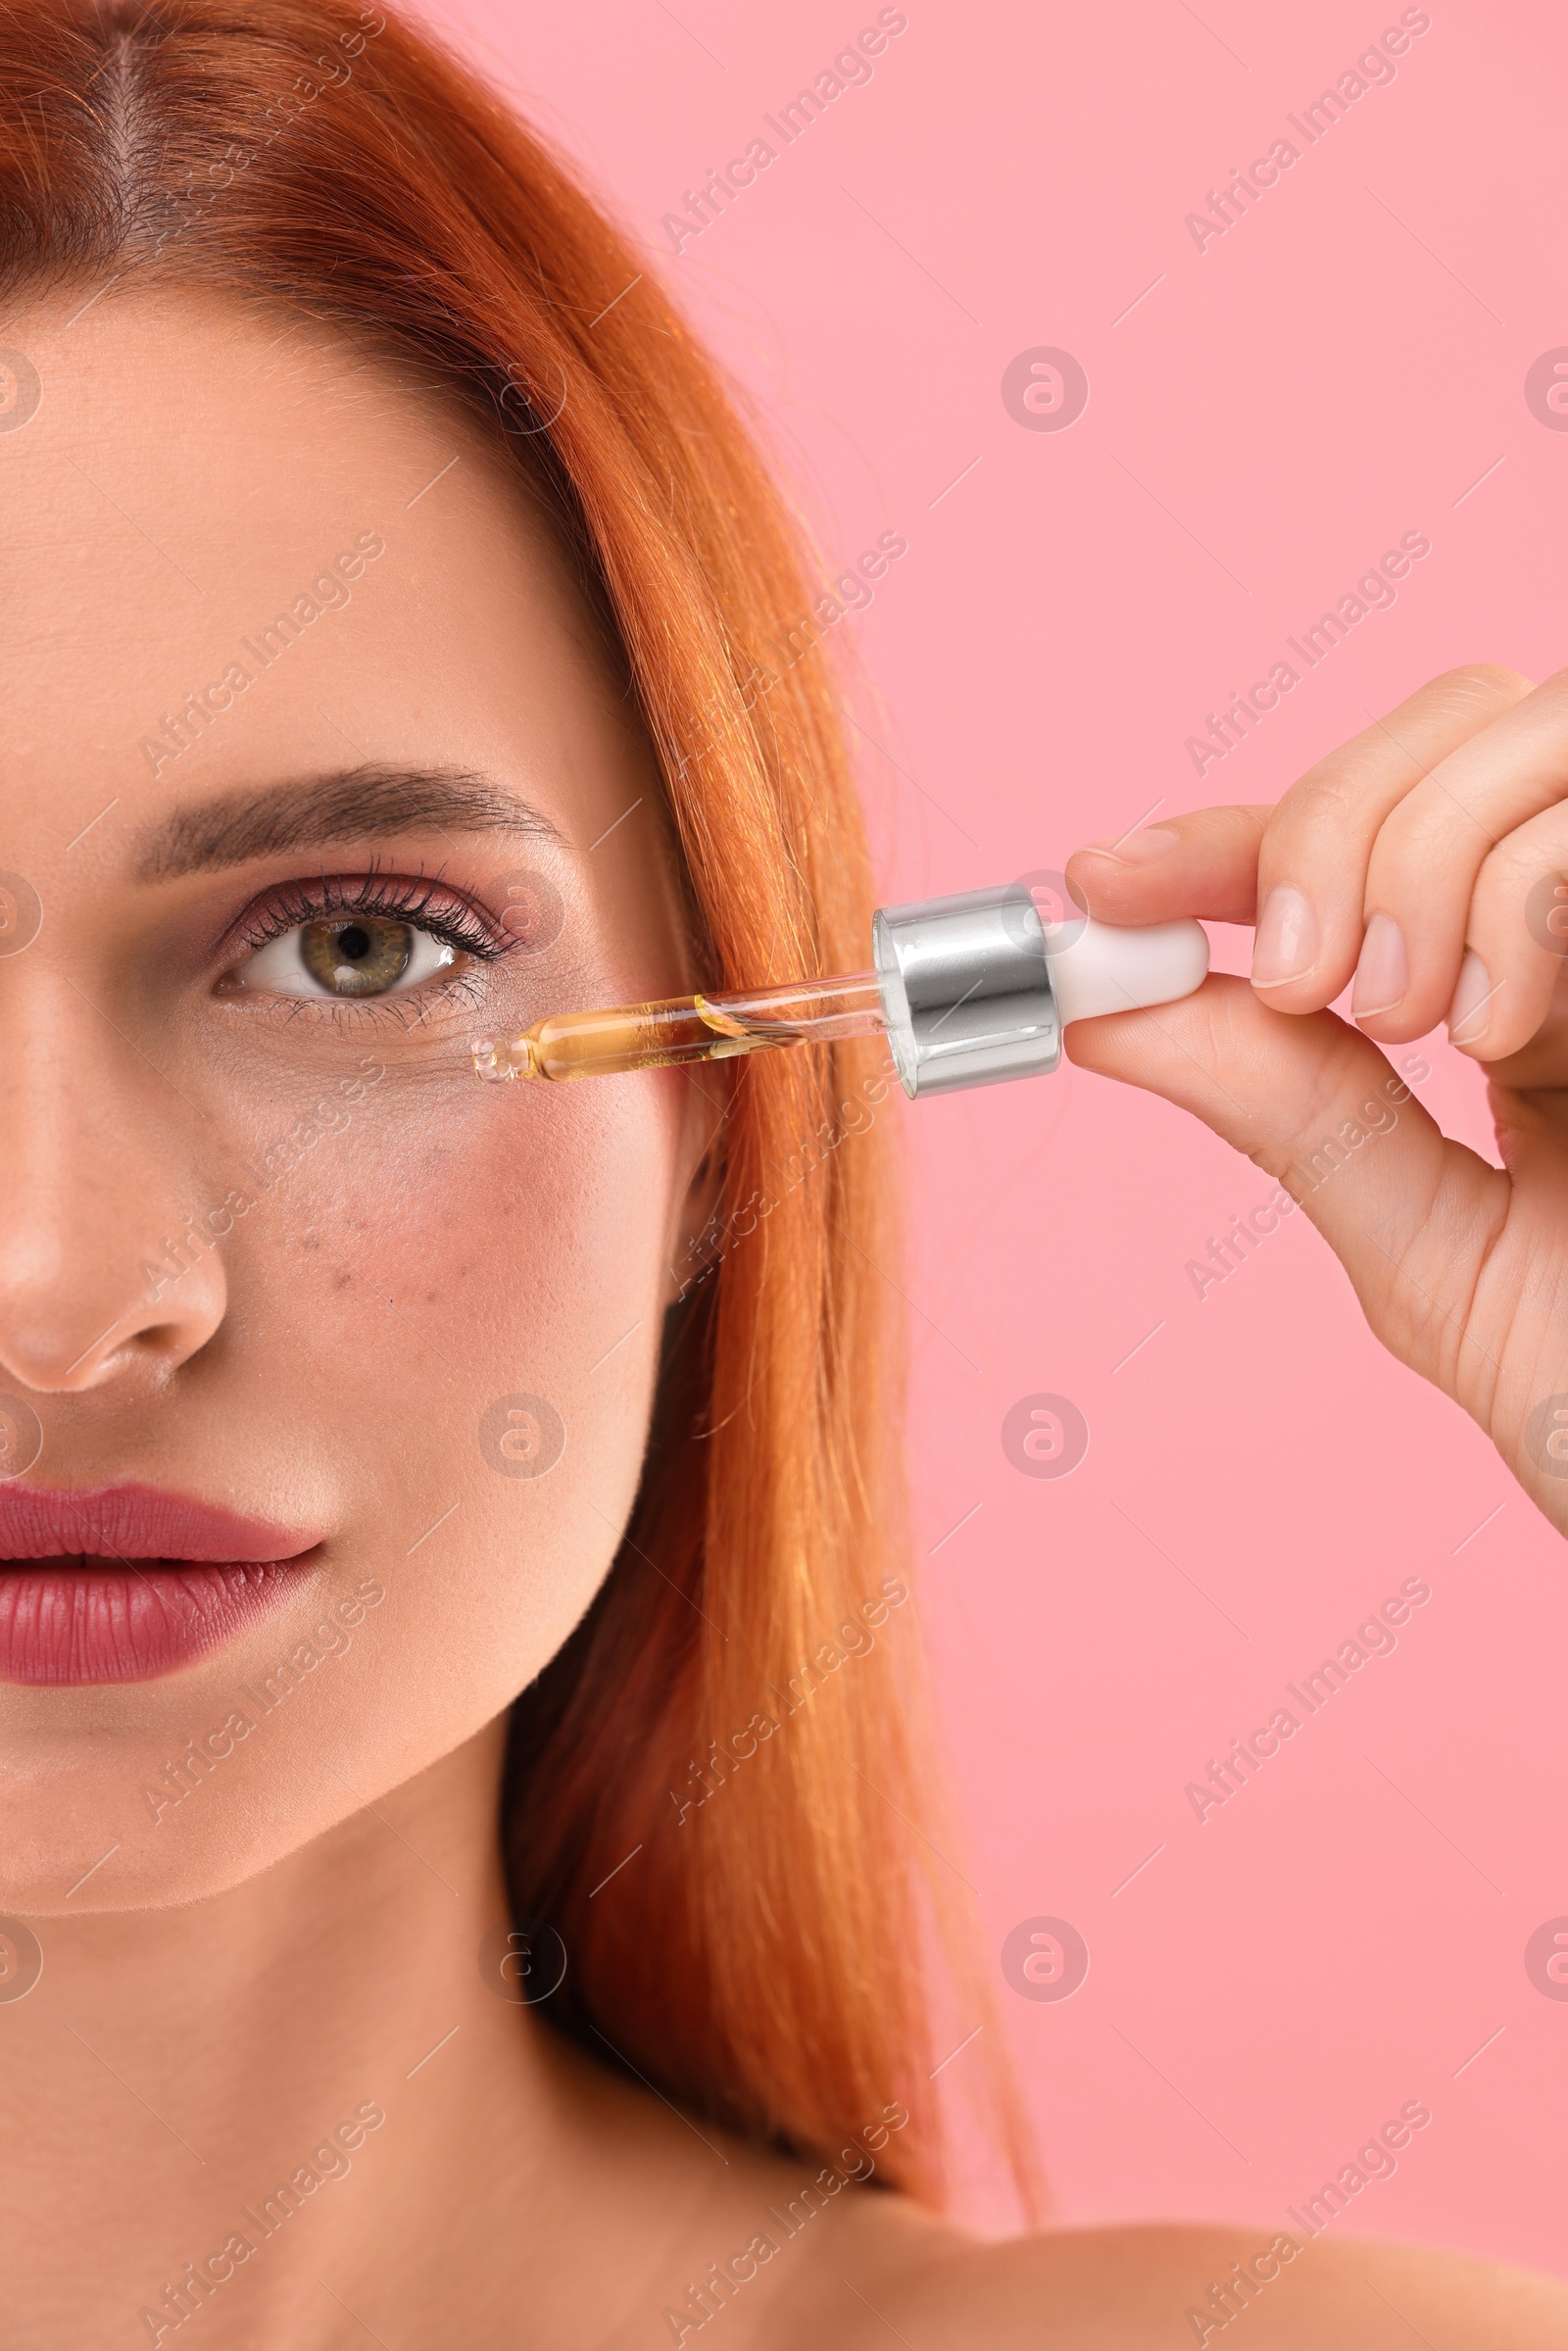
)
(147, 1581)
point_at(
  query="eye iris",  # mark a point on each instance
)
(359, 957)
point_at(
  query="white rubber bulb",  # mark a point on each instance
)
(1109, 967)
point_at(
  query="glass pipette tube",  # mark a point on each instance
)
(686, 1028)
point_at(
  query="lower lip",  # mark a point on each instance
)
(63, 1624)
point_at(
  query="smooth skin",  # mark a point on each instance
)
(293, 1944)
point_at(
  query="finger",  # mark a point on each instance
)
(1515, 941)
(1205, 864)
(1542, 1065)
(1311, 1102)
(1427, 858)
(1532, 1131)
(1314, 860)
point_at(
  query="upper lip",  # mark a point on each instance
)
(135, 1522)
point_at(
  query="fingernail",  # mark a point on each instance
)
(1383, 973)
(1470, 1010)
(1285, 946)
(1137, 849)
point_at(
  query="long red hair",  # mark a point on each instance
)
(727, 1705)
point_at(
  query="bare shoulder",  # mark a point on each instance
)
(787, 2251)
(1152, 2289)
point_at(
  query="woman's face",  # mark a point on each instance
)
(311, 771)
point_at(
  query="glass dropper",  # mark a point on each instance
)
(968, 989)
(687, 1028)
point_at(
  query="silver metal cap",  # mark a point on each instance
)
(967, 989)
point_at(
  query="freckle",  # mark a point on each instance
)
(344, 1279)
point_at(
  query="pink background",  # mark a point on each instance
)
(1340, 368)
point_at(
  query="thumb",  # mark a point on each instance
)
(1310, 1101)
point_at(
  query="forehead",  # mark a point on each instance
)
(202, 486)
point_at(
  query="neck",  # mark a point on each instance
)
(270, 2103)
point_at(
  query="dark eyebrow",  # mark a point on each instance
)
(358, 804)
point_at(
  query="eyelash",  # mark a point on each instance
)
(392, 897)
(423, 903)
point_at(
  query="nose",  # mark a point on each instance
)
(110, 1269)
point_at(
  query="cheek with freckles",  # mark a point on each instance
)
(518, 1249)
(471, 1303)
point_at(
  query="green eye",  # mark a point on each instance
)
(361, 956)
(346, 955)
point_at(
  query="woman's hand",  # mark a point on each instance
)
(1428, 859)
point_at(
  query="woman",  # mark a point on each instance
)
(406, 650)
